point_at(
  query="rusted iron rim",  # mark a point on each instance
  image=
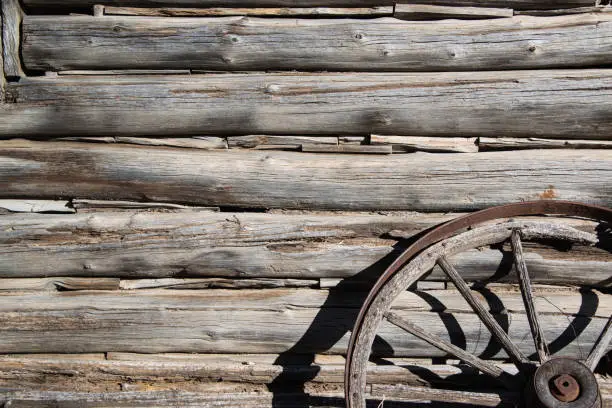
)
(446, 230)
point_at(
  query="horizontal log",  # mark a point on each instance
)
(403, 144)
(559, 12)
(134, 244)
(512, 143)
(282, 142)
(258, 321)
(275, 179)
(347, 148)
(307, 104)
(258, 12)
(163, 372)
(53, 43)
(36, 206)
(215, 283)
(83, 205)
(433, 12)
(515, 4)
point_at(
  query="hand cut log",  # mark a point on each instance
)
(433, 12)
(274, 179)
(515, 4)
(259, 12)
(504, 103)
(258, 321)
(57, 43)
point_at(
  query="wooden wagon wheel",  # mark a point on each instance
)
(549, 381)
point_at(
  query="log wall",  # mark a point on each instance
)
(197, 195)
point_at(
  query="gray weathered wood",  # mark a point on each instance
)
(201, 142)
(425, 395)
(274, 179)
(279, 142)
(510, 143)
(245, 321)
(559, 12)
(53, 284)
(513, 350)
(427, 144)
(527, 294)
(2, 75)
(214, 283)
(136, 244)
(375, 11)
(485, 366)
(11, 37)
(601, 346)
(433, 12)
(307, 104)
(515, 4)
(56, 43)
(347, 148)
(36, 206)
(99, 205)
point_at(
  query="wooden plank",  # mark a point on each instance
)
(279, 142)
(201, 142)
(426, 104)
(12, 16)
(515, 4)
(512, 143)
(433, 12)
(216, 283)
(375, 11)
(346, 148)
(559, 12)
(36, 206)
(98, 205)
(275, 179)
(56, 43)
(404, 144)
(59, 283)
(270, 321)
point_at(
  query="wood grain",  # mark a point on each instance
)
(275, 179)
(57, 43)
(12, 16)
(426, 104)
(433, 12)
(375, 11)
(515, 4)
(256, 321)
(508, 143)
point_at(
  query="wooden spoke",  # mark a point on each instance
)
(482, 365)
(517, 357)
(422, 394)
(601, 347)
(527, 292)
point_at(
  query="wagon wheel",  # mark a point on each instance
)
(543, 380)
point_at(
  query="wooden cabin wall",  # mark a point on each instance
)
(196, 196)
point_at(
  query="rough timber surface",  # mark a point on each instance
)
(557, 104)
(266, 321)
(56, 43)
(157, 247)
(260, 179)
(515, 4)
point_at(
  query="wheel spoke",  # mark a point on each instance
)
(601, 346)
(527, 293)
(478, 363)
(517, 357)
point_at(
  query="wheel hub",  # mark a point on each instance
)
(565, 383)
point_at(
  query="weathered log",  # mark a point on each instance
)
(560, 12)
(259, 321)
(12, 16)
(306, 104)
(510, 143)
(185, 243)
(379, 11)
(402, 144)
(53, 43)
(274, 179)
(104, 205)
(433, 12)
(347, 148)
(515, 4)
(36, 206)
(159, 372)
(215, 283)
